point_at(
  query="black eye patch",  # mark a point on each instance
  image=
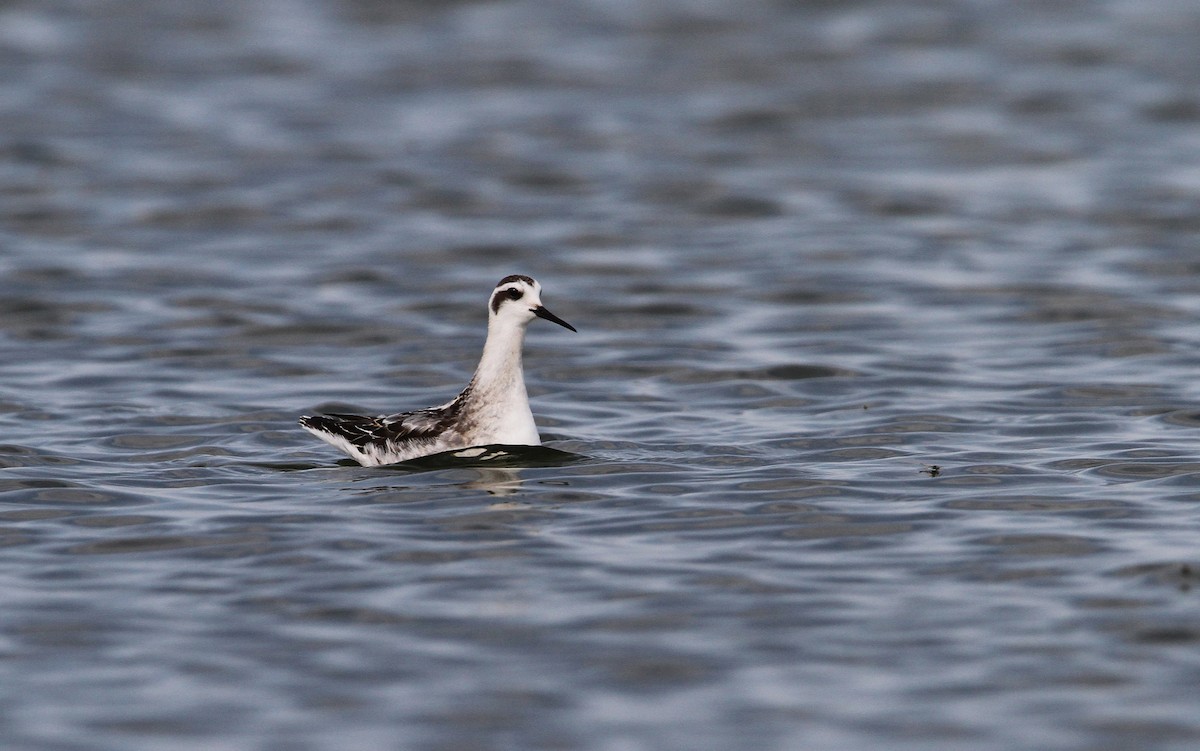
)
(500, 295)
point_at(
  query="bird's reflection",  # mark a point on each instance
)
(500, 482)
(496, 470)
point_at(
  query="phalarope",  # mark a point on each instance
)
(492, 409)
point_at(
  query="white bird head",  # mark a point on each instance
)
(517, 300)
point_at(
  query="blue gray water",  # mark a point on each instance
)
(884, 401)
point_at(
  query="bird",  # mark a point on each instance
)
(492, 409)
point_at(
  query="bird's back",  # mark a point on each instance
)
(389, 439)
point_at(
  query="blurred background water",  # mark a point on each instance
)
(884, 388)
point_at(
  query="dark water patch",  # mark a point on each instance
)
(356, 334)
(676, 192)
(213, 320)
(216, 215)
(494, 524)
(1107, 509)
(696, 520)
(12, 537)
(151, 727)
(447, 556)
(797, 489)
(20, 483)
(1082, 397)
(117, 520)
(35, 515)
(143, 441)
(921, 423)
(995, 475)
(757, 119)
(1155, 210)
(37, 276)
(42, 219)
(350, 615)
(998, 571)
(37, 319)
(32, 151)
(1163, 634)
(843, 533)
(1189, 418)
(796, 372)
(197, 456)
(74, 496)
(550, 180)
(1146, 470)
(1074, 425)
(858, 453)
(657, 309)
(792, 372)
(1040, 545)
(261, 521)
(1114, 603)
(1179, 575)
(656, 671)
(1077, 464)
(1049, 304)
(898, 203)
(66, 633)
(1134, 728)
(365, 276)
(234, 544)
(741, 207)
(244, 309)
(458, 202)
(290, 466)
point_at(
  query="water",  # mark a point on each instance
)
(880, 428)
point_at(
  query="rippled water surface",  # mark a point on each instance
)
(880, 430)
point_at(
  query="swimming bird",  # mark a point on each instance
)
(492, 409)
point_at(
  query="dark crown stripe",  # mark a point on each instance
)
(515, 278)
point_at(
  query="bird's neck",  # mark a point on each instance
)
(500, 377)
(496, 397)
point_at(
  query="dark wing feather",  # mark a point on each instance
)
(361, 431)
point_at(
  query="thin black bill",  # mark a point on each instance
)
(541, 312)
